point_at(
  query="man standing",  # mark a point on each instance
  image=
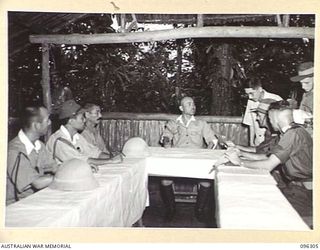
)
(91, 131)
(187, 132)
(255, 93)
(28, 159)
(66, 143)
(294, 155)
(305, 76)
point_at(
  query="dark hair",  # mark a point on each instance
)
(30, 115)
(280, 105)
(252, 82)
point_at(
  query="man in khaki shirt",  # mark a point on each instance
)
(66, 143)
(91, 131)
(187, 132)
(29, 164)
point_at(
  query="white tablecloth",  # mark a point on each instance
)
(249, 199)
(119, 201)
(182, 162)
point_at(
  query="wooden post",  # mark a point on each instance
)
(199, 20)
(286, 20)
(179, 62)
(279, 22)
(45, 82)
(221, 89)
(46, 77)
(123, 22)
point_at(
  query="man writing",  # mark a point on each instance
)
(271, 139)
(293, 154)
(187, 132)
(28, 159)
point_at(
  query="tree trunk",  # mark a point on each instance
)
(221, 90)
(179, 62)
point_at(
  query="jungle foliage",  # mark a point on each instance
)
(152, 77)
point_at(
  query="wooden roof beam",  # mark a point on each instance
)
(193, 32)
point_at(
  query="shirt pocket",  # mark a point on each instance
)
(195, 131)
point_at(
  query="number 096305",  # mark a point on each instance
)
(309, 246)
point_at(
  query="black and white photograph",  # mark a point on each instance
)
(149, 121)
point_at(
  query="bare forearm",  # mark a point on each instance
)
(253, 156)
(98, 161)
(246, 149)
(42, 182)
(260, 164)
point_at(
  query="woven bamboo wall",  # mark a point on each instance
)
(117, 128)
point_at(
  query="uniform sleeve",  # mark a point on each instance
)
(100, 143)
(284, 147)
(169, 130)
(88, 149)
(208, 133)
(64, 152)
(47, 163)
(26, 174)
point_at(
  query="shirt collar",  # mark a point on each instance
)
(68, 136)
(285, 129)
(28, 144)
(192, 118)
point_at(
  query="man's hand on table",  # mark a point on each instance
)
(233, 156)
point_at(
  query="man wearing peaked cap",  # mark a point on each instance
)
(305, 76)
(66, 143)
(68, 109)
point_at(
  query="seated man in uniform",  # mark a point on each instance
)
(187, 132)
(29, 164)
(91, 131)
(66, 143)
(293, 154)
(271, 139)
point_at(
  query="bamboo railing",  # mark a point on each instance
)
(117, 128)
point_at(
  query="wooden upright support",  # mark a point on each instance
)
(45, 82)
(46, 77)
(199, 20)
